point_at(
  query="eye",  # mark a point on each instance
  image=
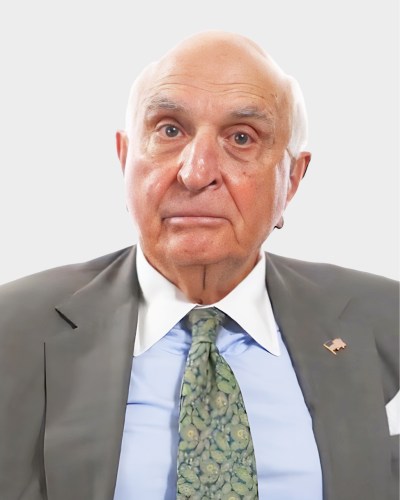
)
(171, 130)
(242, 139)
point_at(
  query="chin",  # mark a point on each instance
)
(196, 254)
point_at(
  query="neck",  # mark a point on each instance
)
(209, 283)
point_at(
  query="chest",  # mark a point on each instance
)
(286, 453)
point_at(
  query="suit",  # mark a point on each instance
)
(66, 344)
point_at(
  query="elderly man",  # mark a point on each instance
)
(194, 365)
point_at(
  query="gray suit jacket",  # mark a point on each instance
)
(66, 344)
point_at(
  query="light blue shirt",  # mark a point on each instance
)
(288, 465)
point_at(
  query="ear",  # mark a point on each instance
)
(122, 147)
(297, 172)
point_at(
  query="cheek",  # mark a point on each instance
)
(261, 197)
(145, 185)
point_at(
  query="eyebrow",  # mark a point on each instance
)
(161, 102)
(253, 112)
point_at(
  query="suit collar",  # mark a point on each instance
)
(112, 288)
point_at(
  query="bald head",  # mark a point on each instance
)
(218, 58)
(212, 153)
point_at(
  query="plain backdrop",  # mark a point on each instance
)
(66, 70)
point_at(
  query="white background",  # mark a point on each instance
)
(66, 70)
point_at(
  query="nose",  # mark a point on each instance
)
(200, 164)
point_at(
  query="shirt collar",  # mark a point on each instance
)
(163, 305)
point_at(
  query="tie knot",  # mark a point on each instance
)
(204, 323)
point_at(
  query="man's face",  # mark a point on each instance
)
(207, 176)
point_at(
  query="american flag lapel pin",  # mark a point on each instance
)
(335, 345)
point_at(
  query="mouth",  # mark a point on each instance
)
(194, 220)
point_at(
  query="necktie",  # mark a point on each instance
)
(215, 455)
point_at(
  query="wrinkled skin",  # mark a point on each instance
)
(204, 158)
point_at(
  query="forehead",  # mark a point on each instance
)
(214, 76)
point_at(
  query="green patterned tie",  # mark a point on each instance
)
(215, 456)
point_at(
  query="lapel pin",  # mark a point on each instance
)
(335, 345)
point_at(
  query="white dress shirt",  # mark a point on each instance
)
(288, 466)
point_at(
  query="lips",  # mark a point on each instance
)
(193, 209)
(194, 219)
(193, 215)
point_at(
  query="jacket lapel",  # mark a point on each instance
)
(88, 369)
(344, 392)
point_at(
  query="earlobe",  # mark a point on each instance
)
(122, 147)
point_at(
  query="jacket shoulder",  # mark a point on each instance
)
(27, 299)
(372, 298)
(333, 277)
